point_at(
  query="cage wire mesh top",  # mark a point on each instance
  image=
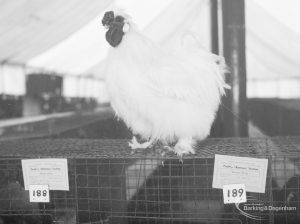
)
(118, 148)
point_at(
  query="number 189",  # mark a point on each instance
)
(234, 192)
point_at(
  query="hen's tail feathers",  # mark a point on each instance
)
(222, 68)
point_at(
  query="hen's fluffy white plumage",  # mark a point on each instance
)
(163, 95)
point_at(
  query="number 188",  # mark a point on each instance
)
(39, 193)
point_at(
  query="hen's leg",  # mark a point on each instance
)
(134, 144)
(184, 146)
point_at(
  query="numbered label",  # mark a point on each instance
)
(39, 193)
(234, 193)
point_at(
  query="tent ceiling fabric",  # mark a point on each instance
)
(66, 36)
(30, 27)
(85, 48)
(272, 46)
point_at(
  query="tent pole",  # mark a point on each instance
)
(214, 26)
(217, 127)
(235, 103)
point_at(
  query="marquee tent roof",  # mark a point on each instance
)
(30, 27)
(67, 36)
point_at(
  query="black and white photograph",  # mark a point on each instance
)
(149, 111)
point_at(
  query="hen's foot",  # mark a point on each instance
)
(134, 144)
(184, 146)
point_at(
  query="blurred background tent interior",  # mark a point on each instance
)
(51, 61)
(53, 100)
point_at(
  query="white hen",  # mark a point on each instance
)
(163, 96)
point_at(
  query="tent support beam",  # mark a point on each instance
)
(214, 26)
(235, 103)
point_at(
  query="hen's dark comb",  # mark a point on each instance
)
(108, 18)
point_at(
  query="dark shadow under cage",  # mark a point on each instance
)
(110, 185)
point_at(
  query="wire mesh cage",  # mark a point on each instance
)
(108, 184)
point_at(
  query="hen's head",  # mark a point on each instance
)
(117, 27)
